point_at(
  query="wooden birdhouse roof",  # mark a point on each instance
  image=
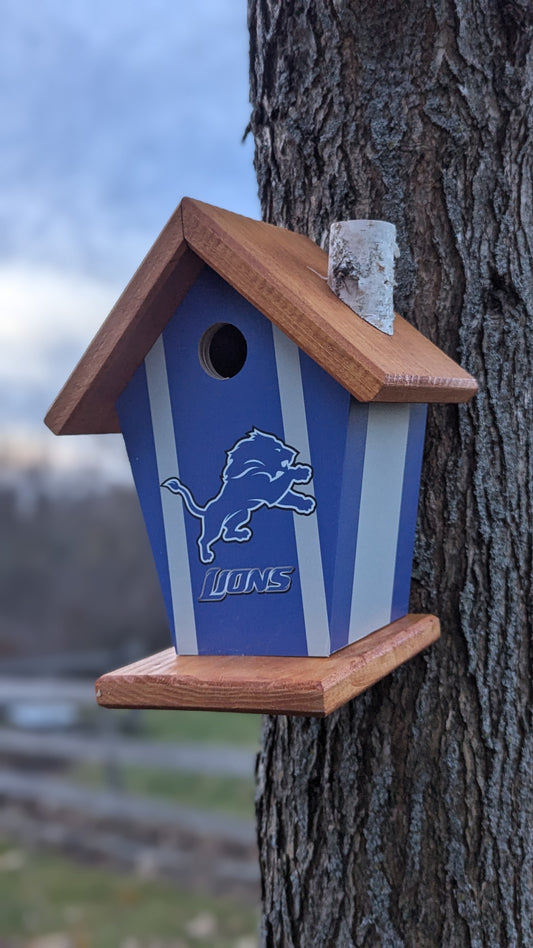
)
(280, 273)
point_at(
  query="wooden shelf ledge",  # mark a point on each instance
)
(266, 684)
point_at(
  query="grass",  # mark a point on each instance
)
(202, 726)
(210, 792)
(48, 901)
(206, 727)
(45, 895)
(204, 791)
(226, 794)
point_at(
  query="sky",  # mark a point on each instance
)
(111, 113)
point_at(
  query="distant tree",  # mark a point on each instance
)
(406, 818)
(76, 573)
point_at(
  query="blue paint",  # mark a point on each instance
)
(217, 414)
(351, 475)
(409, 507)
(247, 595)
(327, 409)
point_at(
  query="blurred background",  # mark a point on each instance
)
(117, 829)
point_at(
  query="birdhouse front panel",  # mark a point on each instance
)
(281, 511)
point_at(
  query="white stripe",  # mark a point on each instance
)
(305, 527)
(379, 518)
(173, 514)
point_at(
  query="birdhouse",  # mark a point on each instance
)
(275, 438)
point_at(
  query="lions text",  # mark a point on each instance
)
(219, 583)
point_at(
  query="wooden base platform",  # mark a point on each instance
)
(266, 684)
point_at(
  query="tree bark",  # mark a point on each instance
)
(405, 819)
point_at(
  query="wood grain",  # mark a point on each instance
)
(280, 272)
(277, 271)
(266, 684)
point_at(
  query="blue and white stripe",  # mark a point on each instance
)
(379, 518)
(173, 514)
(305, 528)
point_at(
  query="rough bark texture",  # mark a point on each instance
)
(406, 818)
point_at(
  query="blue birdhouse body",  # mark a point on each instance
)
(280, 510)
(275, 438)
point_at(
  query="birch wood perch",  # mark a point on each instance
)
(361, 269)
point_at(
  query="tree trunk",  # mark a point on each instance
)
(405, 819)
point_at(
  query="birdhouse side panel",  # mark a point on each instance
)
(408, 510)
(387, 516)
(350, 505)
(337, 432)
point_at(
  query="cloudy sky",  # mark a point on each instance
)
(111, 112)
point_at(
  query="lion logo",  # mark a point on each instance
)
(260, 471)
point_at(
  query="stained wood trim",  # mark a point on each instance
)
(280, 272)
(265, 684)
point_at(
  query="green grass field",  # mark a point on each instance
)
(44, 896)
(210, 727)
(211, 792)
(50, 901)
(203, 791)
(202, 726)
